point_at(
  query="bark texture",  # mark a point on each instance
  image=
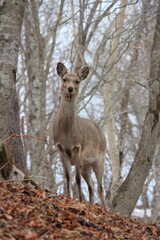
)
(11, 16)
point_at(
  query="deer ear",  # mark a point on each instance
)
(83, 73)
(61, 69)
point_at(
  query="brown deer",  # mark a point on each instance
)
(80, 141)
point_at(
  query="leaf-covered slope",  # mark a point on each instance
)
(29, 213)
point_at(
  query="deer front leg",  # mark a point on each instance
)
(78, 166)
(66, 168)
(67, 171)
(78, 181)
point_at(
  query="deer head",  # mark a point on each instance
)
(70, 81)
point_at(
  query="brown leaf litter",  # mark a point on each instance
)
(27, 213)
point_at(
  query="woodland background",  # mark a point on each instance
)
(120, 41)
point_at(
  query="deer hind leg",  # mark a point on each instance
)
(86, 174)
(99, 172)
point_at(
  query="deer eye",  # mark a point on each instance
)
(77, 81)
(64, 80)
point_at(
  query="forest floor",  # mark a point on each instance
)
(30, 214)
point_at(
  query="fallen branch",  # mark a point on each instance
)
(87, 223)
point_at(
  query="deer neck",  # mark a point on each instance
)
(67, 114)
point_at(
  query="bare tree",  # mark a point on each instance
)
(127, 195)
(11, 16)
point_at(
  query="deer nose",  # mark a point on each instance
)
(70, 89)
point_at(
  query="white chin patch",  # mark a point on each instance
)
(70, 96)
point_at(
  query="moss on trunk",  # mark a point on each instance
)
(5, 163)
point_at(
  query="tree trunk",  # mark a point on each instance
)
(156, 195)
(15, 146)
(127, 195)
(11, 16)
(34, 58)
(108, 101)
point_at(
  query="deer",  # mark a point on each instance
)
(80, 141)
